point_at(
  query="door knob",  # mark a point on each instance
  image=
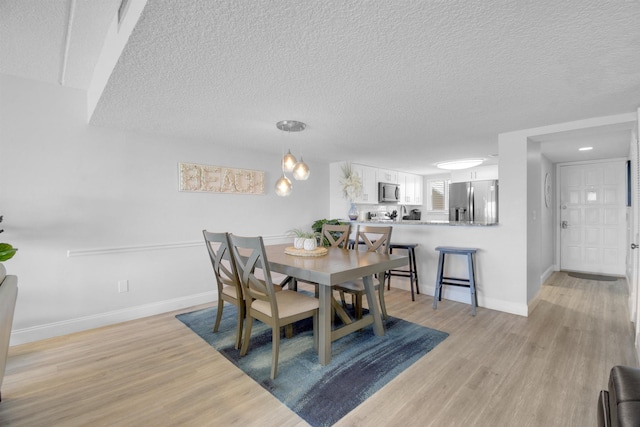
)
(634, 246)
(564, 224)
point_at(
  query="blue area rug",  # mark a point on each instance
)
(361, 362)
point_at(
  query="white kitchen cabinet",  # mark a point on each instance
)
(369, 184)
(480, 173)
(403, 187)
(418, 189)
(410, 183)
(410, 188)
(386, 175)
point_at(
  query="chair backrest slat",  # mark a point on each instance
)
(336, 235)
(376, 239)
(249, 254)
(224, 267)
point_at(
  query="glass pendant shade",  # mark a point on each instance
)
(301, 170)
(283, 186)
(288, 161)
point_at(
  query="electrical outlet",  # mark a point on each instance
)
(123, 286)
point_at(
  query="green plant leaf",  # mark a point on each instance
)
(7, 251)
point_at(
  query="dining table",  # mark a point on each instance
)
(337, 266)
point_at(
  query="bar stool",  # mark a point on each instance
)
(412, 273)
(469, 283)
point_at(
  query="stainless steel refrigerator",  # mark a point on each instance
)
(474, 202)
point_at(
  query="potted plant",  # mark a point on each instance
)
(351, 188)
(317, 227)
(304, 239)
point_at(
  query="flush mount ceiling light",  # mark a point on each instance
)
(289, 164)
(459, 164)
(585, 148)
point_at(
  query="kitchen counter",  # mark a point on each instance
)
(423, 222)
(495, 289)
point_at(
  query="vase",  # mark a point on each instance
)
(309, 244)
(298, 242)
(353, 212)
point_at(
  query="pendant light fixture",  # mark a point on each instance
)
(283, 186)
(289, 164)
(289, 161)
(301, 170)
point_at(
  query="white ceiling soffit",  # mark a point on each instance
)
(610, 141)
(400, 84)
(34, 43)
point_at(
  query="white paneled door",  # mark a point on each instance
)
(593, 217)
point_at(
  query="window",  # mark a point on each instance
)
(438, 195)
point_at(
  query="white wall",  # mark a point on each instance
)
(534, 220)
(547, 223)
(522, 165)
(495, 287)
(110, 199)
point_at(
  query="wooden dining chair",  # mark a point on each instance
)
(375, 239)
(227, 280)
(336, 235)
(276, 309)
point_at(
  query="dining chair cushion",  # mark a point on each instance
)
(354, 286)
(231, 291)
(289, 304)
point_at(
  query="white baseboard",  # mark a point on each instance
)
(547, 273)
(462, 295)
(505, 306)
(55, 329)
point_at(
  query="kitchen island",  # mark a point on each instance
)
(494, 289)
(421, 222)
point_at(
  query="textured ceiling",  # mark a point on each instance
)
(400, 84)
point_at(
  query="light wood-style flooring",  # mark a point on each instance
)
(494, 369)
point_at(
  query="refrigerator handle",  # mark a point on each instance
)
(471, 208)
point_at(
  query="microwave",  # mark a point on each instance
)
(388, 193)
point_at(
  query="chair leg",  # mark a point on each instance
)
(472, 284)
(415, 270)
(239, 326)
(275, 348)
(358, 305)
(219, 314)
(247, 335)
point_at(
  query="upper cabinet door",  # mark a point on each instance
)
(419, 188)
(369, 185)
(481, 173)
(386, 175)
